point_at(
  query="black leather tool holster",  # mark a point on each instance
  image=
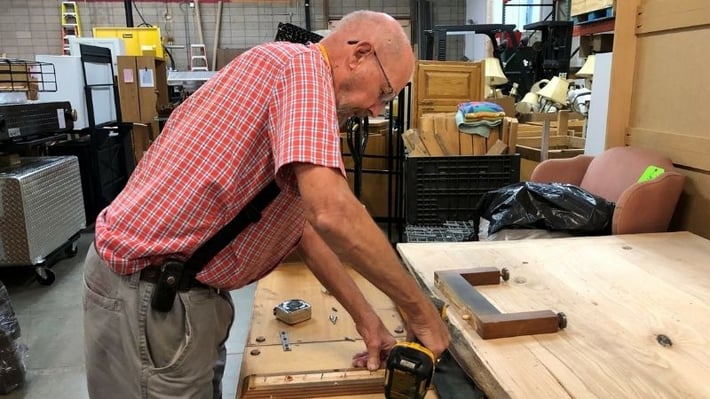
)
(167, 286)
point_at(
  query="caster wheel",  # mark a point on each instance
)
(45, 276)
(71, 250)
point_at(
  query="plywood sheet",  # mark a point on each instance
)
(660, 15)
(295, 281)
(317, 345)
(619, 293)
(668, 96)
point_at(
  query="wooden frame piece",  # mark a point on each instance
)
(314, 384)
(459, 287)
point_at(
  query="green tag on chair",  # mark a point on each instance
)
(651, 173)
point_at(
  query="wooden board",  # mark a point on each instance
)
(584, 6)
(619, 294)
(513, 136)
(559, 147)
(317, 344)
(646, 37)
(447, 132)
(291, 281)
(427, 134)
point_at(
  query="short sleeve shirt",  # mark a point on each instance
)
(271, 107)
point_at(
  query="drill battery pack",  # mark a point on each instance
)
(409, 371)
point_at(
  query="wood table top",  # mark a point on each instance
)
(619, 293)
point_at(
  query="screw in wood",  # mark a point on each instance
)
(255, 352)
(260, 338)
(399, 330)
(505, 274)
(664, 341)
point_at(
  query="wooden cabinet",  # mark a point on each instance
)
(439, 86)
(142, 87)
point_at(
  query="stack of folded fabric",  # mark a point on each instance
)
(478, 117)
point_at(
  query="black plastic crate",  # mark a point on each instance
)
(448, 188)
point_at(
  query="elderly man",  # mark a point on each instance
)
(272, 114)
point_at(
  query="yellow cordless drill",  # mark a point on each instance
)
(410, 367)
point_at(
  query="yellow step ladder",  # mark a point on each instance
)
(71, 24)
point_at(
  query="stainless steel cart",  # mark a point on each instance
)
(41, 213)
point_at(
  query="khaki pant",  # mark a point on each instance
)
(133, 351)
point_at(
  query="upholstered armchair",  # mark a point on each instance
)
(643, 207)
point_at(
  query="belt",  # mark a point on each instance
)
(151, 274)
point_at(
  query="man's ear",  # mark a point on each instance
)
(360, 51)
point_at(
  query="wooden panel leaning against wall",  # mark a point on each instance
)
(439, 86)
(661, 105)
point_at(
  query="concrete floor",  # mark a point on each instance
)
(51, 321)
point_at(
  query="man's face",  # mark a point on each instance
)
(365, 92)
(349, 101)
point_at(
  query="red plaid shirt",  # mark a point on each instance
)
(272, 106)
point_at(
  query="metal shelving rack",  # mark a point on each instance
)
(23, 76)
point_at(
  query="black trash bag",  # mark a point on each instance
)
(554, 206)
(8, 320)
(12, 366)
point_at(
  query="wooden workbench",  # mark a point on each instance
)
(619, 294)
(319, 362)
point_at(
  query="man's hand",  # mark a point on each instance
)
(379, 343)
(430, 330)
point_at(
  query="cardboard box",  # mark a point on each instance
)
(599, 43)
(14, 77)
(142, 87)
(7, 160)
(507, 102)
(142, 136)
(226, 55)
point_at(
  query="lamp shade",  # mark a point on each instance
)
(555, 91)
(538, 85)
(587, 70)
(528, 104)
(494, 72)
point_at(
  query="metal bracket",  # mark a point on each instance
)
(285, 344)
(489, 322)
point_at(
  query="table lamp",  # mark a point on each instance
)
(494, 75)
(587, 70)
(528, 104)
(555, 92)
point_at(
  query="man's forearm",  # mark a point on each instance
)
(327, 268)
(344, 224)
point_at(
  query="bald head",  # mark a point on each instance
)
(370, 59)
(376, 27)
(386, 36)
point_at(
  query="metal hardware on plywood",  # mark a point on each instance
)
(285, 344)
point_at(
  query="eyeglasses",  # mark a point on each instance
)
(387, 95)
